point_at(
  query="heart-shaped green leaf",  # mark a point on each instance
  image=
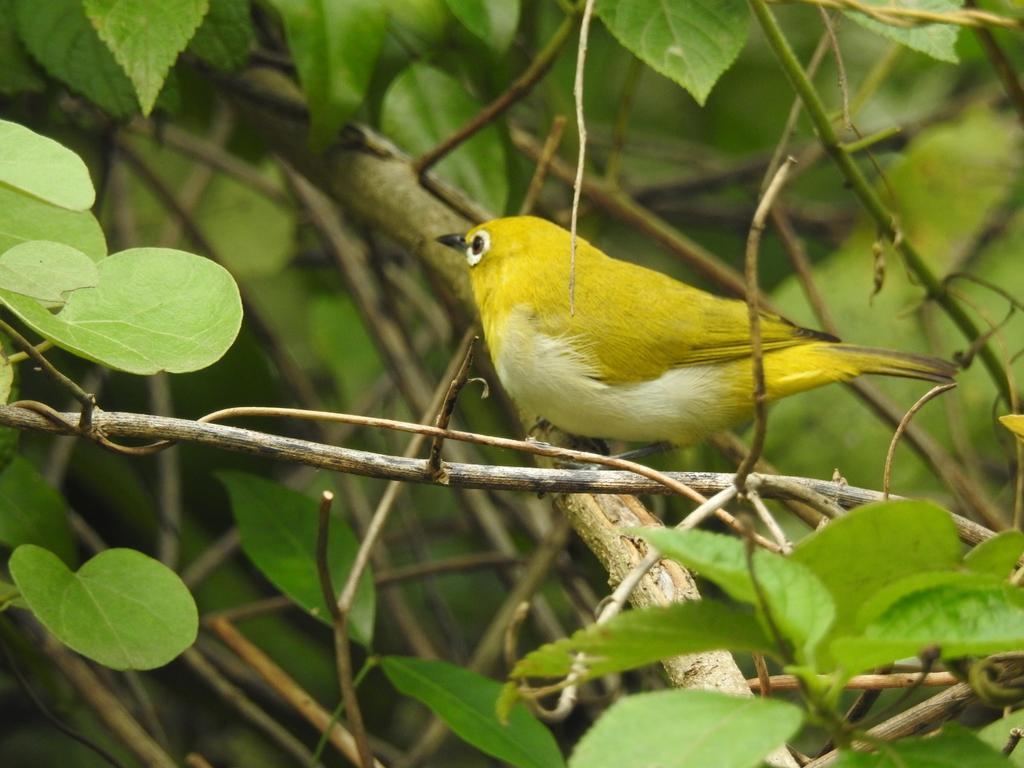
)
(23, 218)
(43, 168)
(47, 271)
(122, 608)
(152, 309)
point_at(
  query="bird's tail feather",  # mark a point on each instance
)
(891, 363)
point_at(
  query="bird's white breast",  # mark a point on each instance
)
(548, 376)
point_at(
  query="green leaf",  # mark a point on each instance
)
(800, 605)
(997, 734)
(41, 167)
(146, 37)
(423, 107)
(997, 556)
(935, 40)
(686, 729)
(1013, 422)
(122, 609)
(959, 613)
(874, 545)
(17, 74)
(690, 41)
(153, 309)
(640, 637)
(466, 701)
(31, 512)
(954, 747)
(422, 22)
(24, 218)
(46, 271)
(335, 45)
(60, 37)
(224, 38)
(278, 528)
(493, 21)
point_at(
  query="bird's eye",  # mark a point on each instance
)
(480, 244)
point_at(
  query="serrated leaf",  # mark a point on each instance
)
(640, 637)
(493, 21)
(691, 41)
(935, 40)
(24, 218)
(39, 166)
(31, 512)
(467, 702)
(278, 528)
(224, 38)
(961, 614)
(152, 309)
(954, 747)
(424, 106)
(60, 37)
(335, 45)
(686, 729)
(997, 556)
(874, 545)
(801, 607)
(46, 271)
(1013, 422)
(122, 609)
(146, 37)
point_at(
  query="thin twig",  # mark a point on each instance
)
(581, 127)
(763, 684)
(1001, 64)
(444, 415)
(519, 88)
(766, 517)
(862, 682)
(902, 16)
(543, 163)
(844, 90)
(754, 314)
(342, 650)
(211, 558)
(614, 161)
(52, 719)
(1012, 741)
(289, 690)
(246, 707)
(86, 400)
(935, 391)
(471, 562)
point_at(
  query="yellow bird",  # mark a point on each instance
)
(643, 357)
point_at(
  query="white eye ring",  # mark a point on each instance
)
(478, 246)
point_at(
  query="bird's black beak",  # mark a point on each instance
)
(458, 242)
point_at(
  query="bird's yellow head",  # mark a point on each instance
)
(512, 258)
(500, 240)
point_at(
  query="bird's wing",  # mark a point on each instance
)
(643, 323)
